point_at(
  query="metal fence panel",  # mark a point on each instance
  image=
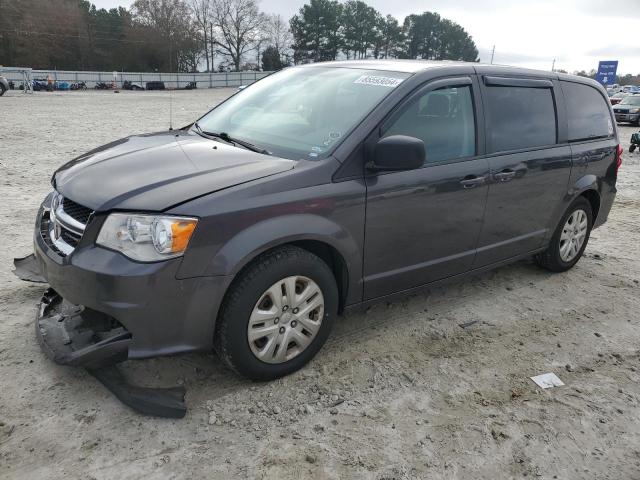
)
(171, 80)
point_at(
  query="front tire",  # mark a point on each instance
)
(277, 314)
(570, 238)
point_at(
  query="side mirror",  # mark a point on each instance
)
(398, 152)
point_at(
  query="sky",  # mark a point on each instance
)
(526, 33)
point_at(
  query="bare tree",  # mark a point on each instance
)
(280, 37)
(201, 13)
(238, 26)
(169, 23)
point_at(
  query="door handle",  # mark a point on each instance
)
(505, 175)
(471, 181)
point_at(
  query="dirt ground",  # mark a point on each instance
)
(401, 391)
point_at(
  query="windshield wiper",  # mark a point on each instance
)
(229, 139)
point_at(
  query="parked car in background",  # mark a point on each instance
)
(617, 98)
(39, 84)
(4, 85)
(155, 86)
(628, 110)
(321, 188)
(127, 85)
(79, 86)
(103, 86)
(631, 89)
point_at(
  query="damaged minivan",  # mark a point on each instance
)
(317, 189)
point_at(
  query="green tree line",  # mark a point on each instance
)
(324, 29)
(191, 35)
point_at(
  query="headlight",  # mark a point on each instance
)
(147, 238)
(634, 110)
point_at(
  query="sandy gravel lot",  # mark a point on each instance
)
(399, 392)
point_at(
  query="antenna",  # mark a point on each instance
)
(171, 109)
(170, 89)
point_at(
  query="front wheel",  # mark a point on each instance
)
(277, 314)
(570, 238)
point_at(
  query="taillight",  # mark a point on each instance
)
(619, 157)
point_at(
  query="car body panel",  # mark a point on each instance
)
(239, 223)
(164, 315)
(154, 172)
(594, 168)
(422, 225)
(517, 214)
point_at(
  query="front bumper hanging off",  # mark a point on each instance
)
(77, 336)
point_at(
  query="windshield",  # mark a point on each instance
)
(635, 100)
(301, 112)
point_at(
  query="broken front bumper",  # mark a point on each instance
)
(78, 336)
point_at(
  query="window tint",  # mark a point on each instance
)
(520, 117)
(443, 119)
(588, 113)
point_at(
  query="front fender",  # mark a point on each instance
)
(247, 244)
(262, 236)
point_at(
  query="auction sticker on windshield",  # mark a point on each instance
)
(375, 80)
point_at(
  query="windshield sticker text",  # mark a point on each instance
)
(379, 81)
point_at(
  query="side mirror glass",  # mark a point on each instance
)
(398, 152)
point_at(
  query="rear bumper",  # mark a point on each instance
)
(162, 314)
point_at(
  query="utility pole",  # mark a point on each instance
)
(493, 51)
(553, 65)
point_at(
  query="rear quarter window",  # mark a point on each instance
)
(520, 117)
(587, 112)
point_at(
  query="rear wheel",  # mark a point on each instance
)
(570, 238)
(632, 148)
(277, 314)
(2, 90)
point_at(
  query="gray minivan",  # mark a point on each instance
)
(315, 190)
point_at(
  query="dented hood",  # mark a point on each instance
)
(154, 172)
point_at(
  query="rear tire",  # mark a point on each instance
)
(2, 90)
(295, 339)
(570, 238)
(632, 148)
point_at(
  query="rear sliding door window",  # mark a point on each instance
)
(587, 111)
(520, 117)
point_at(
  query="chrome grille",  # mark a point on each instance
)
(63, 224)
